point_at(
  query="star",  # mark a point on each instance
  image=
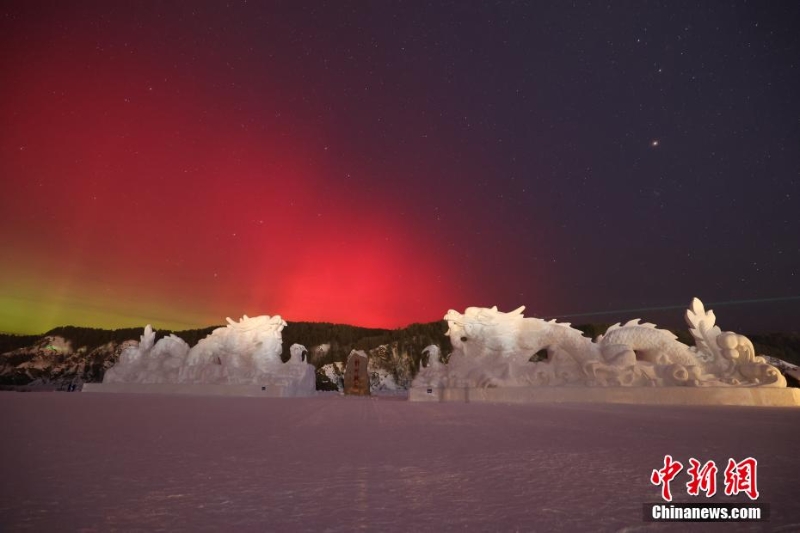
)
(655, 143)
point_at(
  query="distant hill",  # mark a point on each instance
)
(69, 354)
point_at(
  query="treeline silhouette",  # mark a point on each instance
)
(93, 338)
(341, 338)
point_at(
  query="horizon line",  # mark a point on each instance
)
(543, 317)
(670, 307)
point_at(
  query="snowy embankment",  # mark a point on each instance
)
(334, 463)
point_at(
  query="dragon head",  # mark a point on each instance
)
(482, 330)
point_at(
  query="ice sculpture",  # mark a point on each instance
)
(434, 356)
(494, 349)
(241, 353)
(150, 361)
(298, 353)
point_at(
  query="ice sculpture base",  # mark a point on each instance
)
(753, 396)
(263, 391)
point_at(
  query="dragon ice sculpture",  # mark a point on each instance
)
(495, 349)
(243, 352)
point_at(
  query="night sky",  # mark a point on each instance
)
(377, 163)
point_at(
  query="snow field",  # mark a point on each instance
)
(334, 463)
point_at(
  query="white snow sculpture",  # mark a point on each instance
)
(149, 362)
(434, 356)
(494, 349)
(298, 353)
(236, 353)
(243, 352)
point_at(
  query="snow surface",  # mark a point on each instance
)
(334, 371)
(98, 462)
(381, 380)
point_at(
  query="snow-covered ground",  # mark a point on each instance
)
(96, 462)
